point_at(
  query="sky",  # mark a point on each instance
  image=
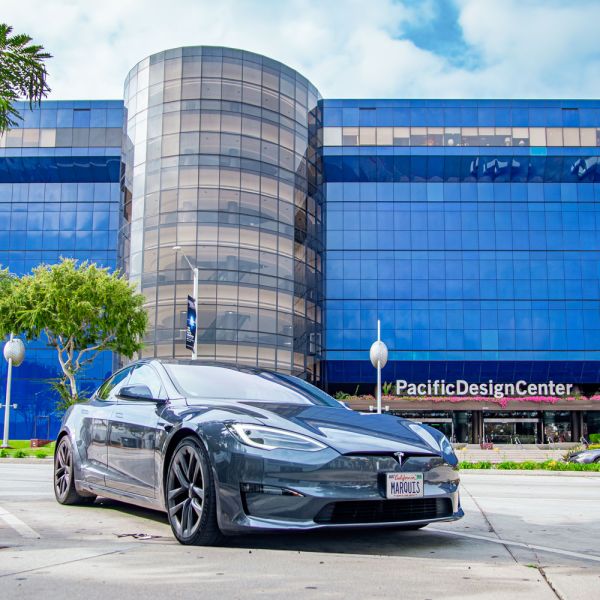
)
(347, 48)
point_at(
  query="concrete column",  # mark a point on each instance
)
(576, 425)
(477, 427)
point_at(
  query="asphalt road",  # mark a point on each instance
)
(524, 536)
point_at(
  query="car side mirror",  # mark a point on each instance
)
(135, 392)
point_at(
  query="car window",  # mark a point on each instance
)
(215, 383)
(112, 385)
(146, 375)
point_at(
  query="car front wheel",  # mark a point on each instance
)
(190, 495)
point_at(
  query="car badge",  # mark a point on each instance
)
(398, 456)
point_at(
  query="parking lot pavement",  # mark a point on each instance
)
(522, 537)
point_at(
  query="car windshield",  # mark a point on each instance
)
(218, 383)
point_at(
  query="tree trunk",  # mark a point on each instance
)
(72, 385)
(66, 364)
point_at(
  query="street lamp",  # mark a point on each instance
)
(14, 353)
(195, 272)
(378, 355)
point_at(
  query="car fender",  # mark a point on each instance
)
(67, 431)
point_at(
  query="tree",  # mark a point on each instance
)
(22, 74)
(6, 281)
(81, 309)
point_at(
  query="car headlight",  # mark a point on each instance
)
(269, 438)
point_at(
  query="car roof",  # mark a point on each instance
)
(202, 363)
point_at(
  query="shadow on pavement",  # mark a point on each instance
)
(380, 541)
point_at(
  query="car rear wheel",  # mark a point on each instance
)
(190, 495)
(64, 476)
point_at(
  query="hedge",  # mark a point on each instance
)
(548, 465)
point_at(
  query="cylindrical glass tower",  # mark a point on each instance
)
(220, 158)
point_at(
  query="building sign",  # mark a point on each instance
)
(441, 387)
(190, 332)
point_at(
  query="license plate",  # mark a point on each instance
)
(404, 485)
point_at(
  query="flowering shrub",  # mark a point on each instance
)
(503, 402)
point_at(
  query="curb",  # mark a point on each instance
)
(534, 472)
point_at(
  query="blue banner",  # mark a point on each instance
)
(190, 332)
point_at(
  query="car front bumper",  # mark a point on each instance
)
(291, 490)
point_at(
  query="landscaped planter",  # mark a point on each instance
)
(363, 402)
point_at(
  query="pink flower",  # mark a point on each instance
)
(503, 402)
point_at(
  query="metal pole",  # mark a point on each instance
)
(7, 401)
(195, 351)
(378, 371)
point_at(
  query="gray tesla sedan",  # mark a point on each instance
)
(227, 450)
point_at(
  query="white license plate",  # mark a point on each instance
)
(404, 485)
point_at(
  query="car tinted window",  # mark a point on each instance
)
(111, 386)
(217, 383)
(146, 375)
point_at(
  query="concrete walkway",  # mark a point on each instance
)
(516, 453)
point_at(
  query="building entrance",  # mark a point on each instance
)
(519, 430)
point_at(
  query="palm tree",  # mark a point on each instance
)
(22, 74)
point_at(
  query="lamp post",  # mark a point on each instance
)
(14, 353)
(195, 292)
(378, 355)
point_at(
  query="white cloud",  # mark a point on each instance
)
(347, 48)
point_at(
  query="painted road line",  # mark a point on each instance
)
(21, 528)
(484, 538)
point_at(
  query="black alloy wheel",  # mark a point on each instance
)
(64, 479)
(190, 495)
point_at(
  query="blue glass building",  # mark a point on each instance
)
(471, 228)
(59, 196)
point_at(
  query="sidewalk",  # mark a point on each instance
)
(509, 452)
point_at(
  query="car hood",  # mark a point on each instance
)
(344, 430)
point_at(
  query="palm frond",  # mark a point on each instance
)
(23, 74)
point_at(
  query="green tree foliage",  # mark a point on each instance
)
(22, 74)
(81, 309)
(6, 281)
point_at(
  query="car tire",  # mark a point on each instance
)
(64, 476)
(597, 460)
(190, 496)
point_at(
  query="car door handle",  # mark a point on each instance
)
(119, 415)
(85, 411)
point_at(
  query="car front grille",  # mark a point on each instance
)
(384, 511)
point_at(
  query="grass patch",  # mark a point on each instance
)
(22, 449)
(548, 465)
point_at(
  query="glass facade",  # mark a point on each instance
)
(59, 197)
(479, 254)
(470, 228)
(221, 159)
